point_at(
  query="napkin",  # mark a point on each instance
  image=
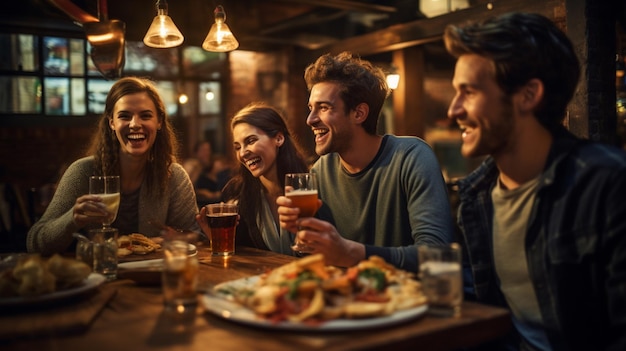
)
(59, 318)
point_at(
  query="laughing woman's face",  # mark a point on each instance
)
(135, 123)
(255, 149)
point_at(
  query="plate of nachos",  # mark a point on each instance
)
(307, 294)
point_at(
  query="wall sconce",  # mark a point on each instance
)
(163, 33)
(220, 38)
(393, 79)
(210, 95)
(183, 98)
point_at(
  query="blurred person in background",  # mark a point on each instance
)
(135, 141)
(204, 173)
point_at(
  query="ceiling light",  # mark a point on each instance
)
(220, 38)
(163, 33)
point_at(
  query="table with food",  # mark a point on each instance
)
(252, 300)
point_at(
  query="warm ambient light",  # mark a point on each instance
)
(163, 33)
(393, 79)
(209, 95)
(183, 99)
(220, 38)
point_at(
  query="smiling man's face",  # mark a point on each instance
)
(328, 120)
(480, 107)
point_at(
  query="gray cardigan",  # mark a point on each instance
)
(175, 206)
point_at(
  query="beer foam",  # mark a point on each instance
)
(223, 214)
(301, 192)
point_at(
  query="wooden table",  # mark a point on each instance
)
(134, 319)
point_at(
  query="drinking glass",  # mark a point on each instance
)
(440, 274)
(180, 271)
(301, 188)
(222, 220)
(108, 188)
(104, 251)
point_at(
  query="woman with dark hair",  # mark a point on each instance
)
(135, 141)
(266, 152)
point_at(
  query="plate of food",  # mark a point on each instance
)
(137, 244)
(35, 280)
(307, 295)
(146, 272)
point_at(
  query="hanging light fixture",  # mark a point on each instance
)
(220, 38)
(163, 33)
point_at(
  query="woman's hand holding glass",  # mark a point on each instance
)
(101, 204)
(89, 209)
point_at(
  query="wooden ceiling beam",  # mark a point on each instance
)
(344, 5)
(425, 30)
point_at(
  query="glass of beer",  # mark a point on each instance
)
(301, 188)
(442, 282)
(108, 188)
(222, 220)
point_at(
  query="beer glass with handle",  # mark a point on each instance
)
(301, 188)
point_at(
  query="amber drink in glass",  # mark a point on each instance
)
(222, 220)
(301, 188)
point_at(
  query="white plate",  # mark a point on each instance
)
(91, 282)
(220, 305)
(156, 264)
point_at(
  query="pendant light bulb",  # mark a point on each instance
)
(220, 38)
(163, 33)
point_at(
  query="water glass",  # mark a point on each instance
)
(222, 220)
(84, 250)
(180, 274)
(104, 241)
(442, 282)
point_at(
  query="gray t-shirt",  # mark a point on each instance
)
(512, 209)
(398, 201)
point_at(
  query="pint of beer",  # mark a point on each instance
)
(222, 220)
(301, 188)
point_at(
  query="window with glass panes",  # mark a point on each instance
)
(55, 76)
